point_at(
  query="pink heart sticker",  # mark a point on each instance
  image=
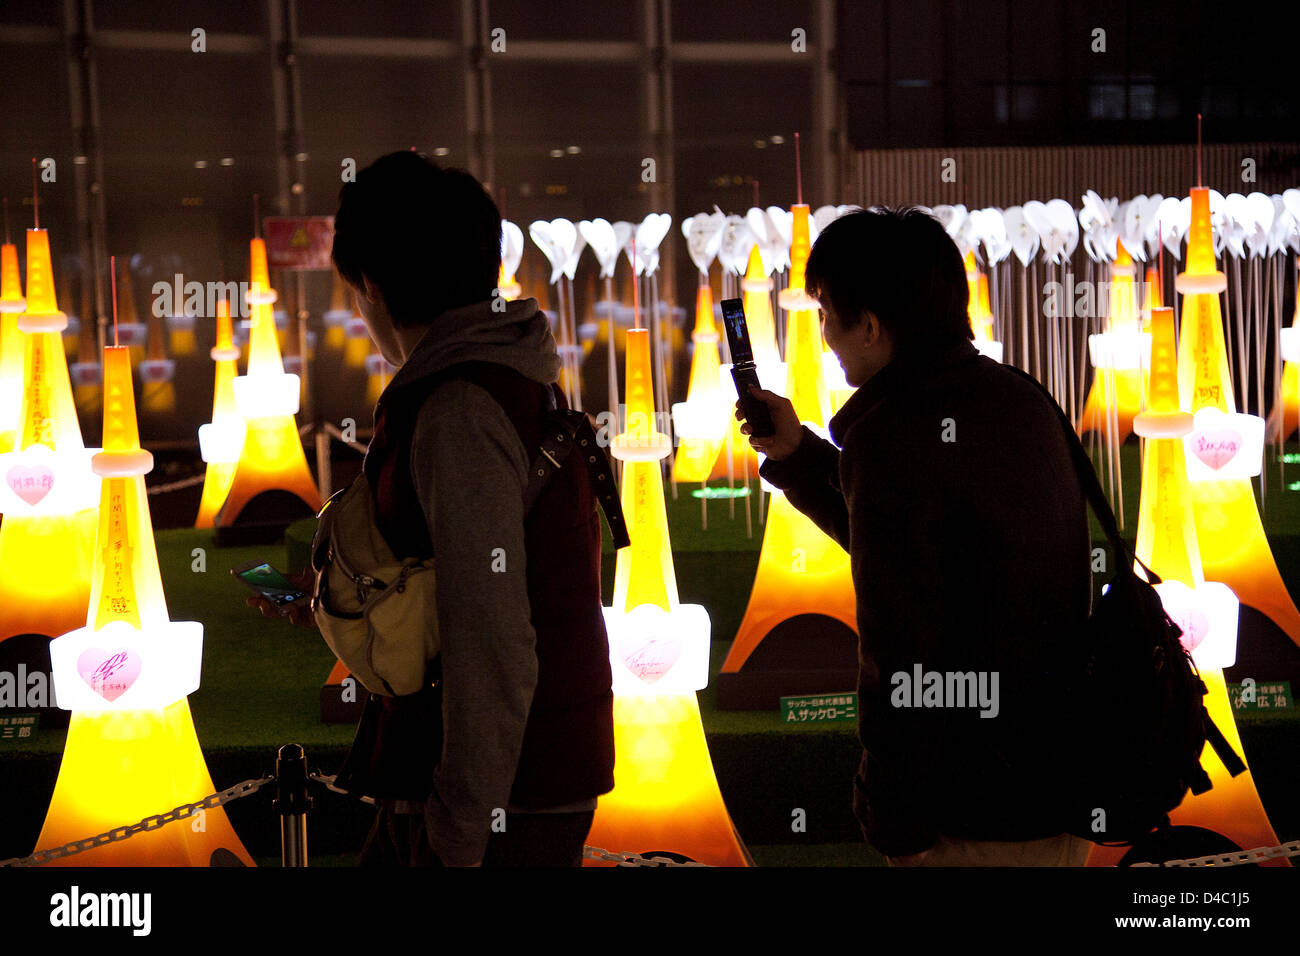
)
(109, 674)
(1216, 447)
(646, 650)
(30, 482)
(1194, 625)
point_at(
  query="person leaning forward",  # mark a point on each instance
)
(950, 484)
(500, 759)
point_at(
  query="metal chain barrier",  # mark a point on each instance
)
(328, 783)
(631, 859)
(184, 811)
(222, 797)
(1237, 858)
(589, 852)
(177, 485)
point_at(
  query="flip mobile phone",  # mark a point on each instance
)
(262, 578)
(743, 372)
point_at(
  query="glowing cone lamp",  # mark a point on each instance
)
(756, 290)
(86, 374)
(48, 492)
(980, 310)
(378, 374)
(272, 457)
(131, 749)
(703, 419)
(1234, 549)
(665, 795)
(507, 286)
(337, 315)
(11, 346)
(356, 341)
(222, 439)
(800, 569)
(157, 371)
(1118, 355)
(1206, 612)
(130, 331)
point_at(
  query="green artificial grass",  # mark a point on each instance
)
(262, 678)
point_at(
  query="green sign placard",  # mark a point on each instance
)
(18, 726)
(819, 708)
(1267, 695)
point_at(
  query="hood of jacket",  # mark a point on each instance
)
(518, 337)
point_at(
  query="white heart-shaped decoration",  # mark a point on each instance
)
(773, 251)
(1021, 234)
(703, 234)
(737, 240)
(783, 220)
(600, 236)
(652, 230)
(555, 239)
(512, 247)
(575, 253)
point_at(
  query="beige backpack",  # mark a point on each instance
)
(377, 613)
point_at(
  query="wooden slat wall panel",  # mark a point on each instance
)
(1010, 177)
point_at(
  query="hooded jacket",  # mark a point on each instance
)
(953, 490)
(505, 731)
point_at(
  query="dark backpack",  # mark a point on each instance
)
(1145, 725)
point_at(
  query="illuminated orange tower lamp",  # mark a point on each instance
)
(12, 304)
(756, 290)
(222, 439)
(1118, 355)
(338, 314)
(272, 457)
(702, 421)
(157, 371)
(665, 795)
(1205, 611)
(1225, 449)
(131, 749)
(802, 573)
(130, 332)
(980, 309)
(47, 489)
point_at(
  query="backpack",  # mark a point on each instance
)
(378, 612)
(1147, 724)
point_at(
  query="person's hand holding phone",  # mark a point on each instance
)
(300, 613)
(787, 433)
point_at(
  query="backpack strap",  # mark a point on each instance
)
(566, 430)
(1091, 486)
(1200, 781)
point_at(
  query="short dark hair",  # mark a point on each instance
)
(428, 237)
(901, 265)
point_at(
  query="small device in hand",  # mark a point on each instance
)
(272, 585)
(743, 372)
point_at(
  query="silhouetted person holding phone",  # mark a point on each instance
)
(950, 484)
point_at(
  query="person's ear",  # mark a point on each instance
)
(371, 290)
(871, 329)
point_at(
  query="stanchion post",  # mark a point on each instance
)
(293, 803)
(324, 477)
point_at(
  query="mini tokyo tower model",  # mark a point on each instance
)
(272, 457)
(131, 750)
(665, 797)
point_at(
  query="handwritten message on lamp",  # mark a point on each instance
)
(1224, 445)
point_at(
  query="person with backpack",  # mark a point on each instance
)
(950, 484)
(499, 756)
